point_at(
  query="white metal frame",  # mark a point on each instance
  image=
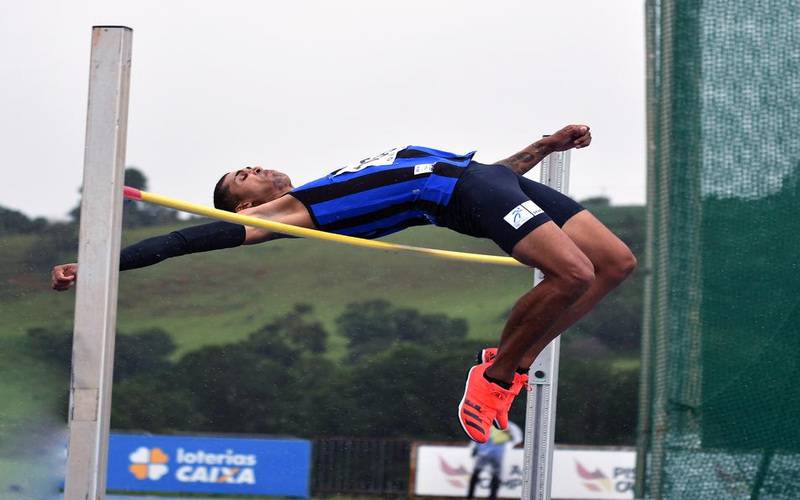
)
(98, 261)
(540, 417)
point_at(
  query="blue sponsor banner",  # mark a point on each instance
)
(182, 464)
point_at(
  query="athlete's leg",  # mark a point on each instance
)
(569, 274)
(611, 258)
(613, 262)
(490, 202)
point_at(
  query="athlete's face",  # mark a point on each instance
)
(256, 185)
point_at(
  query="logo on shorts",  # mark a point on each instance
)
(522, 213)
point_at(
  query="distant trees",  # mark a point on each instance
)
(15, 222)
(56, 243)
(142, 353)
(145, 352)
(136, 214)
(59, 240)
(597, 402)
(405, 381)
(271, 382)
(374, 326)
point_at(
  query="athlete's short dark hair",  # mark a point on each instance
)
(223, 198)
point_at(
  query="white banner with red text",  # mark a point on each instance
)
(578, 472)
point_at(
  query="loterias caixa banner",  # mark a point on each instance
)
(190, 464)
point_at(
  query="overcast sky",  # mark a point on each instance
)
(306, 86)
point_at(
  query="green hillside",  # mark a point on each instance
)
(217, 297)
(221, 296)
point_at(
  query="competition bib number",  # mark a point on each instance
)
(385, 158)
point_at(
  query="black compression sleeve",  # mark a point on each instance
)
(213, 236)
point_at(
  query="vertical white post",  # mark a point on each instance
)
(98, 263)
(540, 417)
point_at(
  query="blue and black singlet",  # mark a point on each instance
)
(400, 188)
(380, 195)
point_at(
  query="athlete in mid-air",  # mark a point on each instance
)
(581, 259)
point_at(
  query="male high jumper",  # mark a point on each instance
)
(581, 259)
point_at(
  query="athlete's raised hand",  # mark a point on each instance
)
(571, 136)
(63, 276)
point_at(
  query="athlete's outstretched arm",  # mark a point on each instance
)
(571, 136)
(194, 239)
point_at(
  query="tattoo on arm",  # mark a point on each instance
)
(520, 162)
(526, 159)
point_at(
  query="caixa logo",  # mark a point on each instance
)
(197, 466)
(148, 463)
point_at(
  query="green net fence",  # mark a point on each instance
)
(720, 402)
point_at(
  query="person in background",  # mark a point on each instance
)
(490, 454)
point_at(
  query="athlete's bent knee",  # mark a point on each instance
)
(622, 266)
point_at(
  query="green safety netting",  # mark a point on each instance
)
(720, 399)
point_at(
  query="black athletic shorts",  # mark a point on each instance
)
(491, 201)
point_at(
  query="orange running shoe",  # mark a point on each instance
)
(480, 404)
(487, 355)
